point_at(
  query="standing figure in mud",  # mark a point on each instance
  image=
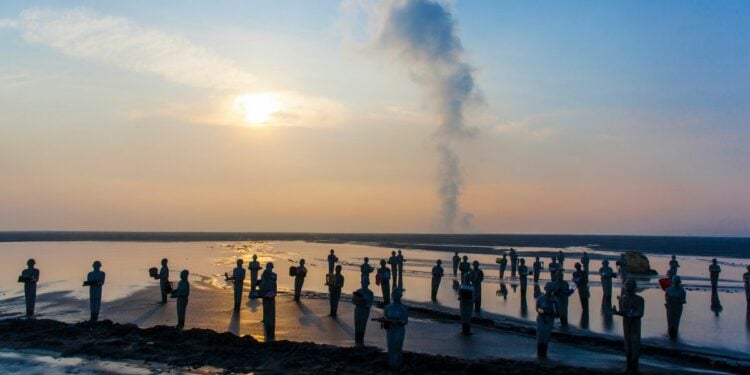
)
(523, 273)
(366, 269)
(553, 268)
(254, 267)
(631, 310)
(714, 270)
(437, 275)
(29, 277)
(456, 261)
(334, 290)
(400, 259)
(299, 279)
(513, 262)
(585, 262)
(581, 280)
(464, 267)
(393, 261)
(561, 259)
(362, 299)
(476, 277)
(466, 304)
(607, 274)
(385, 278)
(562, 294)
(546, 309)
(673, 266)
(332, 259)
(164, 285)
(268, 289)
(182, 294)
(95, 281)
(503, 265)
(396, 316)
(238, 282)
(538, 266)
(675, 297)
(746, 280)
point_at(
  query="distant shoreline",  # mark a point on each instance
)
(735, 247)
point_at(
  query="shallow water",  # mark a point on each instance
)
(65, 264)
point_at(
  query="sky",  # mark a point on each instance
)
(376, 116)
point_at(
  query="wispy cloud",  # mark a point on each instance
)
(120, 42)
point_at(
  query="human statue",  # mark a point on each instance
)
(396, 316)
(561, 259)
(393, 261)
(299, 279)
(332, 259)
(553, 268)
(675, 297)
(95, 281)
(546, 308)
(746, 280)
(523, 274)
(385, 286)
(476, 277)
(464, 267)
(254, 267)
(437, 276)
(456, 261)
(581, 281)
(673, 266)
(334, 290)
(561, 294)
(585, 262)
(513, 262)
(631, 310)
(268, 288)
(538, 266)
(607, 274)
(182, 294)
(400, 259)
(29, 277)
(362, 299)
(366, 269)
(238, 282)
(164, 285)
(714, 270)
(503, 265)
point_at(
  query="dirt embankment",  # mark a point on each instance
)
(201, 347)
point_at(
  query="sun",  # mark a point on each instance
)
(257, 109)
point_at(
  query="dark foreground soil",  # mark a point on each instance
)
(202, 347)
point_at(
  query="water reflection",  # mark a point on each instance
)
(524, 305)
(502, 292)
(607, 321)
(514, 286)
(715, 303)
(584, 323)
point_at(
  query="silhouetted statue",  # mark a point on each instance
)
(400, 259)
(631, 310)
(393, 261)
(456, 261)
(254, 267)
(561, 259)
(585, 262)
(29, 277)
(476, 277)
(466, 295)
(523, 274)
(553, 268)
(332, 259)
(503, 265)
(464, 267)
(238, 282)
(538, 266)
(363, 299)
(366, 269)
(581, 280)
(675, 297)
(334, 290)
(164, 286)
(546, 308)
(396, 316)
(299, 279)
(384, 275)
(714, 270)
(513, 262)
(182, 294)
(746, 280)
(268, 289)
(561, 294)
(607, 274)
(673, 266)
(437, 275)
(95, 281)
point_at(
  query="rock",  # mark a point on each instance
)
(637, 263)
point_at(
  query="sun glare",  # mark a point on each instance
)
(257, 109)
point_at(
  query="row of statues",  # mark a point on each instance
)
(551, 305)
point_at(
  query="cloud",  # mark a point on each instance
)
(120, 42)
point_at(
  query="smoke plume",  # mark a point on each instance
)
(423, 35)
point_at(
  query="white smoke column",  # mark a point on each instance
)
(423, 35)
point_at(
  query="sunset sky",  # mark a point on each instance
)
(583, 117)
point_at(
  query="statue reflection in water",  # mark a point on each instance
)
(502, 292)
(524, 305)
(715, 303)
(607, 320)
